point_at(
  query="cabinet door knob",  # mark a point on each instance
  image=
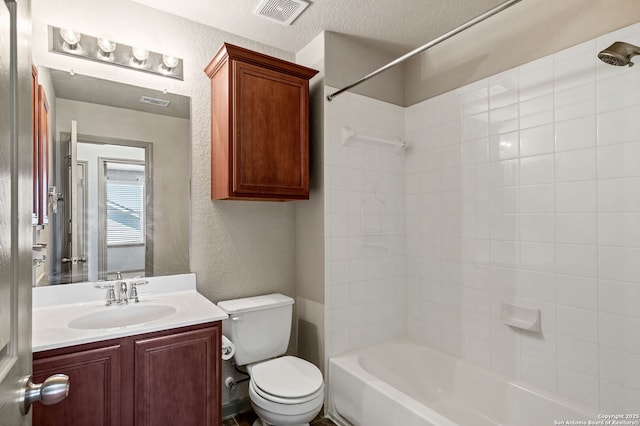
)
(53, 390)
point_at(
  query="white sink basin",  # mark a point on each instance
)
(69, 315)
(121, 316)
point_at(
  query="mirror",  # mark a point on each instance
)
(119, 182)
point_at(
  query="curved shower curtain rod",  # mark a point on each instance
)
(432, 43)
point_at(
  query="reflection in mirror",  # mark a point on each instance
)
(119, 194)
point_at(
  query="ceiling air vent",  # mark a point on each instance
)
(154, 101)
(281, 11)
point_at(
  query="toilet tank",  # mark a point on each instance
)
(259, 326)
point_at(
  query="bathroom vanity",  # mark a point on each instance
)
(163, 367)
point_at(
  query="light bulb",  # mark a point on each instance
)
(71, 37)
(106, 45)
(169, 61)
(140, 54)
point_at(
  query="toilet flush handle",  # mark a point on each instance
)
(235, 318)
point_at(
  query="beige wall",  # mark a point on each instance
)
(237, 248)
(349, 59)
(528, 30)
(310, 221)
(309, 214)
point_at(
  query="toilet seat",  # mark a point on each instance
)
(319, 394)
(287, 380)
(310, 407)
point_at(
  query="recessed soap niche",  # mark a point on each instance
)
(521, 317)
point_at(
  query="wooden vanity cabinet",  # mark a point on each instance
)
(94, 399)
(163, 378)
(175, 378)
(259, 126)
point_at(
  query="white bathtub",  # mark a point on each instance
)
(400, 383)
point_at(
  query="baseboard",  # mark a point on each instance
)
(236, 407)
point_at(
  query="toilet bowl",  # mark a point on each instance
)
(285, 391)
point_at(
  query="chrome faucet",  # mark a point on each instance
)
(123, 298)
(112, 298)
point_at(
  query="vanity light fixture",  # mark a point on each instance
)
(169, 62)
(140, 55)
(71, 39)
(107, 47)
(104, 49)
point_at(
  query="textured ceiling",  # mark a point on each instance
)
(393, 25)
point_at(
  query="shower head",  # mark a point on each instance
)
(619, 54)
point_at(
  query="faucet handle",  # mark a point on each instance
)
(133, 293)
(111, 292)
(111, 295)
(133, 289)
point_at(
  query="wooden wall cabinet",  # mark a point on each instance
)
(40, 127)
(164, 378)
(259, 126)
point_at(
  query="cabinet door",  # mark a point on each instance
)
(43, 157)
(177, 379)
(35, 125)
(271, 133)
(94, 388)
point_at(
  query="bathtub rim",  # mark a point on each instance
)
(351, 358)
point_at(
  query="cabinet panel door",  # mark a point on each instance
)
(271, 132)
(43, 157)
(35, 123)
(176, 379)
(94, 388)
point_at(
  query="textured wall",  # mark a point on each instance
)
(309, 214)
(237, 248)
(310, 272)
(349, 59)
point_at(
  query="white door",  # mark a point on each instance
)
(15, 215)
(78, 259)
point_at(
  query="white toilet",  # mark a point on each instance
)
(284, 390)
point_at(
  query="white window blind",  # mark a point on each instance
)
(125, 210)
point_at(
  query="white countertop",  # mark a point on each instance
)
(54, 307)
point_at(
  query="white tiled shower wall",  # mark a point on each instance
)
(521, 188)
(525, 188)
(364, 225)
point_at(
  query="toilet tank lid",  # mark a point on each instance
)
(248, 304)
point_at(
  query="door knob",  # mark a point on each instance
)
(53, 390)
